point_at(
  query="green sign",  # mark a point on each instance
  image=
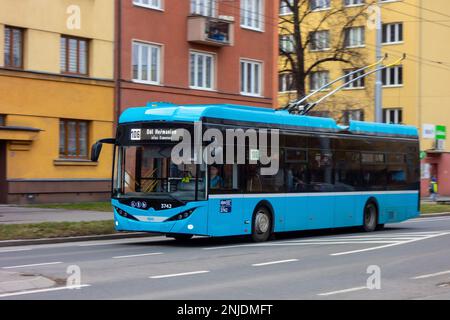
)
(441, 132)
(423, 155)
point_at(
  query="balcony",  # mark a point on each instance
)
(218, 32)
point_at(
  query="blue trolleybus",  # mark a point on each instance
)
(329, 176)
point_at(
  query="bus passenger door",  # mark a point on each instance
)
(226, 202)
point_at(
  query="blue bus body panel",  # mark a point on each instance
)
(193, 113)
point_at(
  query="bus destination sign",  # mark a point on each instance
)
(152, 134)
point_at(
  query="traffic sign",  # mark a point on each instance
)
(441, 132)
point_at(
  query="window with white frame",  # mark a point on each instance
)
(352, 3)
(287, 43)
(319, 4)
(392, 76)
(252, 14)
(352, 115)
(284, 7)
(393, 115)
(146, 63)
(319, 40)
(318, 79)
(354, 37)
(153, 4)
(392, 33)
(286, 82)
(204, 7)
(357, 84)
(251, 78)
(202, 71)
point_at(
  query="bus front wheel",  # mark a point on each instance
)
(370, 219)
(262, 225)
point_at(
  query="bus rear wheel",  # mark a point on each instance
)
(262, 225)
(370, 219)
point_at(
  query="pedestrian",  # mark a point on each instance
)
(433, 189)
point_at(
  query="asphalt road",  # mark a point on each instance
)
(412, 260)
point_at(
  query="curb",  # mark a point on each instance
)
(13, 243)
(429, 215)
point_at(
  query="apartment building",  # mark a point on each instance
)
(197, 51)
(415, 92)
(56, 99)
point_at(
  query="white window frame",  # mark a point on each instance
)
(395, 25)
(287, 43)
(388, 72)
(320, 8)
(316, 40)
(201, 7)
(350, 37)
(353, 85)
(387, 115)
(256, 17)
(243, 76)
(286, 79)
(321, 82)
(150, 46)
(354, 3)
(158, 6)
(204, 56)
(284, 10)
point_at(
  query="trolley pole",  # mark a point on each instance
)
(378, 81)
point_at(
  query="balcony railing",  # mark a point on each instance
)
(211, 31)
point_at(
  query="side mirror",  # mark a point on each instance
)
(95, 151)
(97, 148)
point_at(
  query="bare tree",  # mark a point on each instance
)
(298, 28)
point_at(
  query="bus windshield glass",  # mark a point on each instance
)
(148, 171)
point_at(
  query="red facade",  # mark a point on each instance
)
(170, 30)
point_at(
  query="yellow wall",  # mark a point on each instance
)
(424, 95)
(39, 96)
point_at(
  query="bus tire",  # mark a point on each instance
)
(261, 224)
(370, 217)
(180, 237)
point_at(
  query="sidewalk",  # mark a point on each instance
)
(18, 215)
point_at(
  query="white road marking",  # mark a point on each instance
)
(97, 244)
(431, 275)
(5, 295)
(273, 262)
(342, 291)
(138, 255)
(32, 265)
(426, 220)
(178, 274)
(390, 245)
(15, 250)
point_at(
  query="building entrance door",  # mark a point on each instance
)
(3, 183)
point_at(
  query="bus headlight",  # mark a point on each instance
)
(182, 215)
(125, 214)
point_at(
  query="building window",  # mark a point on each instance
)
(13, 47)
(352, 3)
(284, 7)
(392, 33)
(286, 82)
(319, 4)
(358, 84)
(2, 120)
(287, 43)
(318, 79)
(393, 116)
(319, 40)
(392, 76)
(353, 115)
(73, 139)
(153, 4)
(204, 7)
(251, 78)
(74, 55)
(146, 63)
(354, 37)
(202, 70)
(252, 14)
